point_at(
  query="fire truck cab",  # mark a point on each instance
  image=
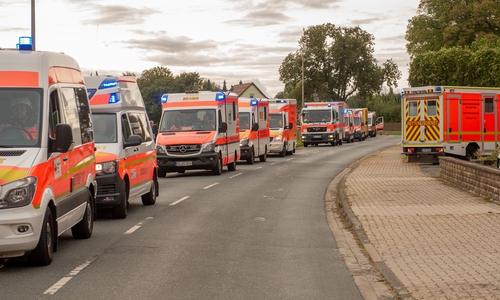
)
(47, 160)
(460, 121)
(198, 130)
(322, 122)
(126, 154)
(283, 126)
(254, 129)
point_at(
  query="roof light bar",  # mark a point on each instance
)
(109, 83)
(164, 98)
(25, 43)
(254, 102)
(113, 98)
(220, 97)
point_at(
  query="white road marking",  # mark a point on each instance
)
(257, 168)
(180, 200)
(131, 230)
(236, 175)
(58, 285)
(290, 159)
(209, 186)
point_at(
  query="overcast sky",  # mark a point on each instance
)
(228, 40)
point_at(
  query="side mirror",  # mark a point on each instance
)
(64, 137)
(290, 125)
(223, 127)
(255, 126)
(133, 140)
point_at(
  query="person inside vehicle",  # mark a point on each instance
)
(206, 124)
(101, 131)
(22, 118)
(177, 123)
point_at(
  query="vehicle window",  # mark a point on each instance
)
(83, 107)
(244, 120)
(188, 119)
(488, 105)
(70, 107)
(126, 132)
(431, 108)
(140, 126)
(104, 128)
(412, 108)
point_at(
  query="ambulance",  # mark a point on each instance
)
(283, 117)
(126, 154)
(360, 118)
(322, 123)
(47, 160)
(452, 120)
(198, 130)
(372, 121)
(348, 126)
(254, 129)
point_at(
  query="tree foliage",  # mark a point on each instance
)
(337, 63)
(452, 23)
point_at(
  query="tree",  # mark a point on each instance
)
(153, 83)
(127, 73)
(185, 82)
(450, 23)
(338, 63)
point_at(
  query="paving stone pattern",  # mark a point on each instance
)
(441, 242)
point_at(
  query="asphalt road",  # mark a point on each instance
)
(259, 232)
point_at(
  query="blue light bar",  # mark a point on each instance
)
(164, 98)
(329, 104)
(283, 101)
(305, 104)
(254, 102)
(25, 43)
(438, 89)
(345, 111)
(113, 98)
(109, 83)
(220, 97)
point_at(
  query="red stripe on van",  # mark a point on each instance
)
(18, 78)
(99, 99)
(67, 75)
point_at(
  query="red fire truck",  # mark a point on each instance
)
(460, 121)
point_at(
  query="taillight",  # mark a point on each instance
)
(411, 150)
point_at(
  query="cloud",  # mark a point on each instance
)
(117, 14)
(260, 18)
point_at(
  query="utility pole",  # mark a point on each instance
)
(302, 78)
(33, 24)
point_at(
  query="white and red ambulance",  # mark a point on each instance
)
(47, 160)
(254, 129)
(126, 153)
(283, 126)
(198, 130)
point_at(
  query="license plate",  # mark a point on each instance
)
(183, 163)
(316, 136)
(426, 150)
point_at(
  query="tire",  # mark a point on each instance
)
(340, 142)
(84, 228)
(306, 144)
(251, 159)
(263, 157)
(283, 151)
(43, 254)
(150, 197)
(332, 143)
(120, 211)
(162, 173)
(232, 166)
(217, 170)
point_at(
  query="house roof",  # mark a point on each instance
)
(239, 89)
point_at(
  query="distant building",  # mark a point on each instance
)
(249, 90)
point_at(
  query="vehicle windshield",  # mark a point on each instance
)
(316, 116)
(20, 117)
(356, 121)
(370, 121)
(346, 121)
(276, 121)
(188, 119)
(244, 121)
(104, 128)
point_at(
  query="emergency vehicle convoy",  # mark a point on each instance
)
(47, 161)
(198, 130)
(453, 120)
(126, 154)
(322, 123)
(254, 129)
(283, 126)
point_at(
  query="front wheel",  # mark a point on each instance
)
(84, 228)
(232, 166)
(43, 254)
(283, 151)
(217, 170)
(120, 211)
(251, 159)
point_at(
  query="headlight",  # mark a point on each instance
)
(357, 130)
(160, 149)
(108, 167)
(244, 142)
(18, 193)
(277, 138)
(208, 147)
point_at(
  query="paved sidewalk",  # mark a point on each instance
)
(430, 239)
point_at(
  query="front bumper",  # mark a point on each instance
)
(108, 187)
(14, 243)
(202, 161)
(318, 138)
(245, 152)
